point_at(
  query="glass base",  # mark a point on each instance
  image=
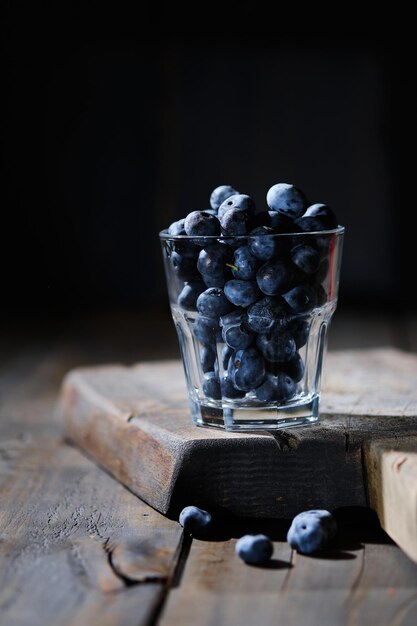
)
(249, 418)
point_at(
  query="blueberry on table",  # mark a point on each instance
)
(254, 549)
(240, 202)
(195, 520)
(311, 531)
(287, 199)
(242, 292)
(213, 303)
(274, 277)
(201, 223)
(220, 194)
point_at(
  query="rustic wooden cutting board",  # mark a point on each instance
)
(135, 422)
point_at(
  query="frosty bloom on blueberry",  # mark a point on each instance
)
(194, 520)
(311, 531)
(254, 549)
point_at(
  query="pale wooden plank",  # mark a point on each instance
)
(392, 486)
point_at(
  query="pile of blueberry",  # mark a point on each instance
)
(252, 292)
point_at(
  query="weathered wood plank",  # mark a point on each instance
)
(136, 423)
(363, 576)
(73, 542)
(391, 466)
(75, 546)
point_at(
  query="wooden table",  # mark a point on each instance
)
(78, 548)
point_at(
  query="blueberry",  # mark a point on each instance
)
(263, 314)
(262, 244)
(177, 228)
(279, 222)
(277, 346)
(208, 356)
(211, 386)
(325, 517)
(229, 390)
(240, 201)
(246, 369)
(235, 223)
(206, 330)
(235, 331)
(324, 213)
(306, 258)
(266, 391)
(254, 549)
(241, 292)
(212, 260)
(278, 388)
(286, 199)
(213, 303)
(184, 266)
(301, 298)
(274, 277)
(187, 299)
(214, 281)
(310, 224)
(220, 194)
(244, 264)
(295, 367)
(311, 531)
(299, 329)
(201, 223)
(195, 520)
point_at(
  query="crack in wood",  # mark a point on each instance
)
(285, 441)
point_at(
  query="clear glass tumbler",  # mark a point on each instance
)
(252, 313)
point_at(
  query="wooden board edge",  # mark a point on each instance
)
(391, 472)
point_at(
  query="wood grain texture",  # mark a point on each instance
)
(362, 576)
(392, 485)
(74, 543)
(76, 547)
(136, 423)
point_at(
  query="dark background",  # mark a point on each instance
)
(119, 119)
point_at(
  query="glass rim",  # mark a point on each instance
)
(164, 235)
